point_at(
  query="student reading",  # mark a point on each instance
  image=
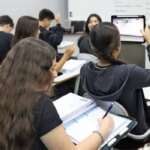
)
(113, 79)
(28, 118)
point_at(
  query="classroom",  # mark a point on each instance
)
(75, 75)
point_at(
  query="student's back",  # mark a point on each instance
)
(119, 83)
(112, 80)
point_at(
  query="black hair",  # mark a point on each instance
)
(5, 19)
(105, 38)
(88, 20)
(46, 13)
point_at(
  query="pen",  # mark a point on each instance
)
(109, 109)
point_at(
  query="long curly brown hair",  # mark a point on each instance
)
(25, 67)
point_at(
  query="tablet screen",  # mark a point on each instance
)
(130, 27)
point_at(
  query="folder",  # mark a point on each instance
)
(80, 117)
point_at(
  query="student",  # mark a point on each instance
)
(6, 26)
(83, 42)
(54, 35)
(28, 118)
(28, 26)
(115, 80)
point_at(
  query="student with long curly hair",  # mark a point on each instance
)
(28, 118)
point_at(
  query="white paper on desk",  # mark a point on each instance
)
(84, 116)
(71, 104)
(65, 44)
(66, 76)
(146, 91)
(70, 69)
(72, 65)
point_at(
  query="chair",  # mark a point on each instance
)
(120, 110)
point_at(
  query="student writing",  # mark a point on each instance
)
(28, 118)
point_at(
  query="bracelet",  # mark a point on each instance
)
(100, 135)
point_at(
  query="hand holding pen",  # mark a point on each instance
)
(108, 110)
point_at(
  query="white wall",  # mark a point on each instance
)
(17, 8)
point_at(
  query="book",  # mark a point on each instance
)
(80, 118)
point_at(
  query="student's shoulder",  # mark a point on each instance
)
(131, 68)
(45, 114)
(87, 66)
(45, 100)
(4, 34)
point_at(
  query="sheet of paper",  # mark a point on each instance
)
(146, 91)
(65, 44)
(72, 65)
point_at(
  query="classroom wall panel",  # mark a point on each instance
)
(17, 8)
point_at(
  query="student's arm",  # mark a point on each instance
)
(139, 77)
(67, 54)
(146, 35)
(58, 139)
(56, 33)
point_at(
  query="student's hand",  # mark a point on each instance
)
(53, 71)
(69, 51)
(58, 19)
(146, 34)
(106, 126)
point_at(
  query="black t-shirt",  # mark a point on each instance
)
(46, 118)
(5, 44)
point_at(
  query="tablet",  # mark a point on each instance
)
(130, 27)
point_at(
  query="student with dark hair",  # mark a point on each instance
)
(115, 80)
(6, 26)
(83, 42)
(26, 26)
(53, 35)
(28, 118)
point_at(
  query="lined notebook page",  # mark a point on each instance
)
(81, 127)
(82, 117)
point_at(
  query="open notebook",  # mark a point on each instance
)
(80, 116)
